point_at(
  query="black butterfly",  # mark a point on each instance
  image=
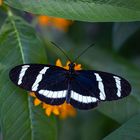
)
(83, 89)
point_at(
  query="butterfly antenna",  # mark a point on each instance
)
(83, 52)
(61, 51)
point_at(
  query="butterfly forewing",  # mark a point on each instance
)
(105, 86)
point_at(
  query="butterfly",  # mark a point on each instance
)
(83, 89)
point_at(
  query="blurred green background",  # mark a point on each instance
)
(117, 50)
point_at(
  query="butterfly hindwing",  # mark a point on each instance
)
(81, 93)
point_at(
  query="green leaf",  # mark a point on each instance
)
(18, 116)
(2, 15)
(122, 32)
(87, 125)
(128, 131)
(84, 10)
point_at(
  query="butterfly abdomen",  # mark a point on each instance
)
(68, 96)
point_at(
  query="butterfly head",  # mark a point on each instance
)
(71, 66)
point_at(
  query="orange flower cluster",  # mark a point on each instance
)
(63, 110)
(1, 2)
(59, 23)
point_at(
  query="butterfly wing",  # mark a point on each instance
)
(89, 87)
(86, 87)
(81, 96)
(47, 81)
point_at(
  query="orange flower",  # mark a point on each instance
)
(1, 2)
(77, 66)
(63, 110)
(59, 23)
(44, 20)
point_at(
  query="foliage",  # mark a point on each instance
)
(116, 50)
(94, 10)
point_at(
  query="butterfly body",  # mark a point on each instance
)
(83, 89)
